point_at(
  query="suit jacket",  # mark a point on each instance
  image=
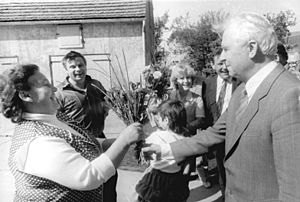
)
(262, 148)
(209, 90)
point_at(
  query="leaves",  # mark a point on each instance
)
(281, 23)
(157, 80)
(200, 39)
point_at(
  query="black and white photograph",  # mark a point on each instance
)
(149, 100)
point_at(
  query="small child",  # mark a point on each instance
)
(164, 180)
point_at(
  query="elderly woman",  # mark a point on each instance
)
(182, 78)
(50, 160)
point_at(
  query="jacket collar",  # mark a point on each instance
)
(252, 107)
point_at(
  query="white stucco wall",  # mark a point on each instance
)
(34, 43)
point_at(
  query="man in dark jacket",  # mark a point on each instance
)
(82, 99)
(216, 92)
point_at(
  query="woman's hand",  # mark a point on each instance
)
(133, 133)
(116, 152)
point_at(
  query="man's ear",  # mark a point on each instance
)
(253, 48)
(25, 96)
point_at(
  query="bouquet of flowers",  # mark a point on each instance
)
(130, 100)
(157, 80)
(130, 106)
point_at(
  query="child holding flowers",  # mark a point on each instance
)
(164, 179)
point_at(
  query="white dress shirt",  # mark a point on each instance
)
(63, 164)
(228, 93)
(254, 82)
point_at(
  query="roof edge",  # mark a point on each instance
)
(35, 22)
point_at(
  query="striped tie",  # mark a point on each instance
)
(243, 104)
(221, 98)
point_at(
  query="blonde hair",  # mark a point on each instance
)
(182, 69)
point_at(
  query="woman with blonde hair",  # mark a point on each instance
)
(182, 79)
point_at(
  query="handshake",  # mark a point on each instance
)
(134, 134)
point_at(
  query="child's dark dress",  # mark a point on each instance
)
(165, 182)
(158, 186)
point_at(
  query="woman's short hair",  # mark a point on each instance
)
(12, 81)
(251, 26)
(175, 111)
(182, 69)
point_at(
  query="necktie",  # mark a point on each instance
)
(243, 104)
(221, 97)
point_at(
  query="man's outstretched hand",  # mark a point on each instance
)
(150, 149)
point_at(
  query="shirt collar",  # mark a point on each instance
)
(49, 119)
(254, 82)
(39, 117)
(220, 80)
(66, 84)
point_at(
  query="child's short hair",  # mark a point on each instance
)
(174, 110)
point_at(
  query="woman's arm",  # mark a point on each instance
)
(199, 121)
(54, 159)
(118, 149)
(106, 143)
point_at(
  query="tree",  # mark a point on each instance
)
(159, 28)
(281, 23)
(201, 38)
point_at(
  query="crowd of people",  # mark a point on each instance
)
(246, 117)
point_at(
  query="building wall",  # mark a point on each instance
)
(149, 33)
(35, 43)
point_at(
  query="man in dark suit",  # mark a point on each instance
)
(261, 126)
(216, 94)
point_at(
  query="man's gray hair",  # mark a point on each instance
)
(251, 26)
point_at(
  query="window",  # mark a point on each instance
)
(70, 36)
(7, 62)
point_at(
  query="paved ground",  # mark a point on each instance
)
(126, 180)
